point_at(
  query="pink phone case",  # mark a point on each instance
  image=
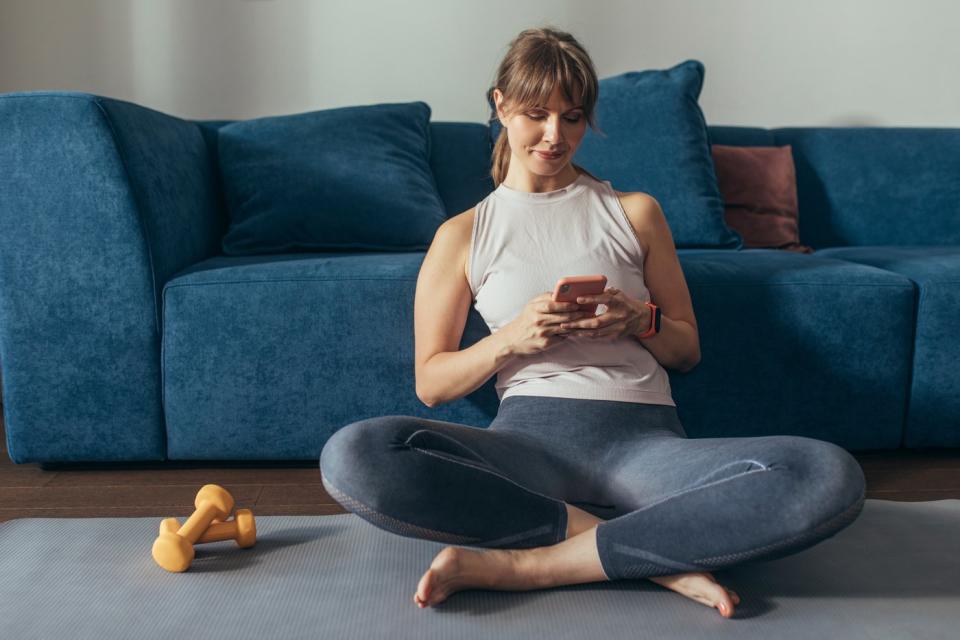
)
(569, 288)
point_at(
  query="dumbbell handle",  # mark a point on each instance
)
(198, 522)
(219, 531)
(242, 529)
(216, 532)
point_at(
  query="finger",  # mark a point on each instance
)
(579, 325)
(608, 330)
(590, 334)
(573, 321)
(595, 322)
(600, 298)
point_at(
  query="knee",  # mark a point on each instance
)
(350, 445)
(840, 471)
(827, 475)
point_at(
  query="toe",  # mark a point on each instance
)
(422, 595)
(726, 605)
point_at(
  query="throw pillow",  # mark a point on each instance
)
(339, 179)
(654, 139)
(759, 189)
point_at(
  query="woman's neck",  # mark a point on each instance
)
(535, 183)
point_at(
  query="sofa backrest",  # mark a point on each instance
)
(459, 158)
(859, 186)
(856, 186)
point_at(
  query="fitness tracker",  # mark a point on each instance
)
(654, 321)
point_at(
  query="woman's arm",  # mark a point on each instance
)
(671, 347)
(678, 344)
(444, 372)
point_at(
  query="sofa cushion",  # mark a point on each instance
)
(798, 344)
(264, 357)
(759, 189)
(460, 160)
(871, 186)
(338, 179)
(654, 139)
(740, 136)
(935, 388)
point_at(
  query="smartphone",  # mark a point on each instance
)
(569, 288)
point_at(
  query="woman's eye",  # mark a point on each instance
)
(535, 117)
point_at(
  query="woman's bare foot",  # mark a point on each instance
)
(455, 569)
(702, 587)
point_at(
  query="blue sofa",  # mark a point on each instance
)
(127, 335)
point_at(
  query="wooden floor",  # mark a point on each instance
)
(27, 491)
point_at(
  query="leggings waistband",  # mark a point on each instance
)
(579, 416)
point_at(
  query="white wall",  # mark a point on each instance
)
(768, 62)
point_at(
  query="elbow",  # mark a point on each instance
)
(425, 399)
(689, 365)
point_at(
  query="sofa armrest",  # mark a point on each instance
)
(101, 202)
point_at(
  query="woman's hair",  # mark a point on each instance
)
(538, 61)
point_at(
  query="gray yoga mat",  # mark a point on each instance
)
(893, 573)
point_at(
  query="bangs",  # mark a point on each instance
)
(535, 87)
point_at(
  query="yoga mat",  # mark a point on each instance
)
(893, 573)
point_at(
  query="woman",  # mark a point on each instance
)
(586, 473)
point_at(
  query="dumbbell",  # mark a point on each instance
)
(242, 528)
(174, 550)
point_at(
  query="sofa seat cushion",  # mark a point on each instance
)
(254, 348)
(265, 357)
(796, 344)
(932, 419)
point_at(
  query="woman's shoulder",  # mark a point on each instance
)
(462, 222)
(639, 207)
(636, 204)
(460, 232)
(640, 198)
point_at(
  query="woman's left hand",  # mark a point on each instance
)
(624, 316)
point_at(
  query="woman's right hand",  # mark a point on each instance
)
(537, 328)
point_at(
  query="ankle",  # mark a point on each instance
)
(529, 567)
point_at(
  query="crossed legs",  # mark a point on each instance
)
(656, 504)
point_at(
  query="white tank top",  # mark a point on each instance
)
(521, 244)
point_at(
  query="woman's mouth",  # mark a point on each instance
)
(547, 156)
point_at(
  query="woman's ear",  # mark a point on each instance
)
(498, 100)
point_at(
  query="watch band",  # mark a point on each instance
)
(654, 321)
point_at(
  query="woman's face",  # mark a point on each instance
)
(555, 127)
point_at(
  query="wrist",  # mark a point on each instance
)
(650, 324)
(504, 344)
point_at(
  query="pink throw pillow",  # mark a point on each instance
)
(759, 190)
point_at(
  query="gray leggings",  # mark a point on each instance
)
(670, 503)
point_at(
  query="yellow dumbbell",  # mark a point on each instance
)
(174, 550)
(242, 529)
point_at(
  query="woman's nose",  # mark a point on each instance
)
(552, 130)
